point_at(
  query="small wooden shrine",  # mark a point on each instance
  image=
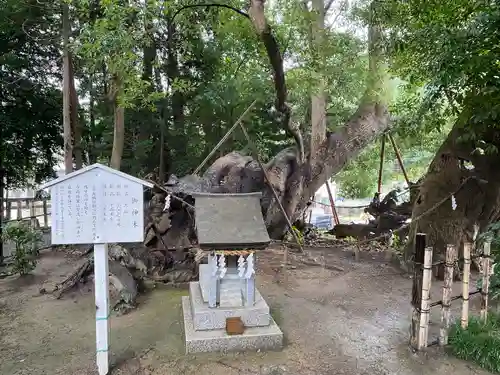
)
(224, 310)
(231, 228)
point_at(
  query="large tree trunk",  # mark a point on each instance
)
(68, 145)
(292, 172)
(75, 124)
(472, 178)
(119, 126)
(118, 137)
(91, 141)
(318, 98)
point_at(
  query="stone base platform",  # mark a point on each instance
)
(254, 338)
(206, 318)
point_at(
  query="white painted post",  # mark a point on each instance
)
(101, 285)
(213, 281)
(250, 281)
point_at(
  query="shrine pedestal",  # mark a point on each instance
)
(230, 227)
(204, 326)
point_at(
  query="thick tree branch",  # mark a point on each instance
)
(240, 12)
(258, 19)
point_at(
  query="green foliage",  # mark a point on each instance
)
(31, 103)
(447, 55)
(479, 343)
(418, 132)
(26, 241)
(398, 243)
(115, 41)
(299, 235)
(451, 49)
(492, 235)
(188, 79)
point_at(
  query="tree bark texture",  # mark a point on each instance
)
(472, 178)
(75, 124)
(118, 137)
(318, 98)
(67, 135)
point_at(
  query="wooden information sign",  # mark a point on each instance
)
(97, 205)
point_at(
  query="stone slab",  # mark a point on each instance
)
(254, 338)
(206, 318)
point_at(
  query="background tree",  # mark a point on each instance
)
(31, 109)
(459, 72)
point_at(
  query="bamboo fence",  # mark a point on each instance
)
(421, 304)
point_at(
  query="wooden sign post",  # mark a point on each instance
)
(97, 205)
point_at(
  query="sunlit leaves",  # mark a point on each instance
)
(115, 41)
(453, 48)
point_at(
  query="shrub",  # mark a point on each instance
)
(26, 241)
(479, 343)
(492, 234)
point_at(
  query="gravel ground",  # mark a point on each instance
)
(351, 322)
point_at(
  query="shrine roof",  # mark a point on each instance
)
(230, 221)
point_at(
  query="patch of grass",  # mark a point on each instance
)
(479, 343)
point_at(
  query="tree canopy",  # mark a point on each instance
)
(184, 73)
(31, 102)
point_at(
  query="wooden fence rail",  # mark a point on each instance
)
(422, 284)
(27, 208)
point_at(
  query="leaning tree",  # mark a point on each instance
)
(294, 173)
(297, 172)
(452, 48)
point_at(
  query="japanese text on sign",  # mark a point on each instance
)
(97, 207)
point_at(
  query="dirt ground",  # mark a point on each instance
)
(353, 322)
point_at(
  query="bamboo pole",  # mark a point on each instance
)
(416, 295)
(31, 204)
(8, 207)
(212, 153)
(426, 297)
(465, 286)
(451, 257)
(19, 211)
(255, 153)
(400, 159)
(332, 203)
(381, 167)
(486, 281)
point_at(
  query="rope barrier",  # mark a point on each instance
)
(454, 298)
(473, 257)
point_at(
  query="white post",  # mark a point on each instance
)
(213, 280)
(101, 284)
(250, 281)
